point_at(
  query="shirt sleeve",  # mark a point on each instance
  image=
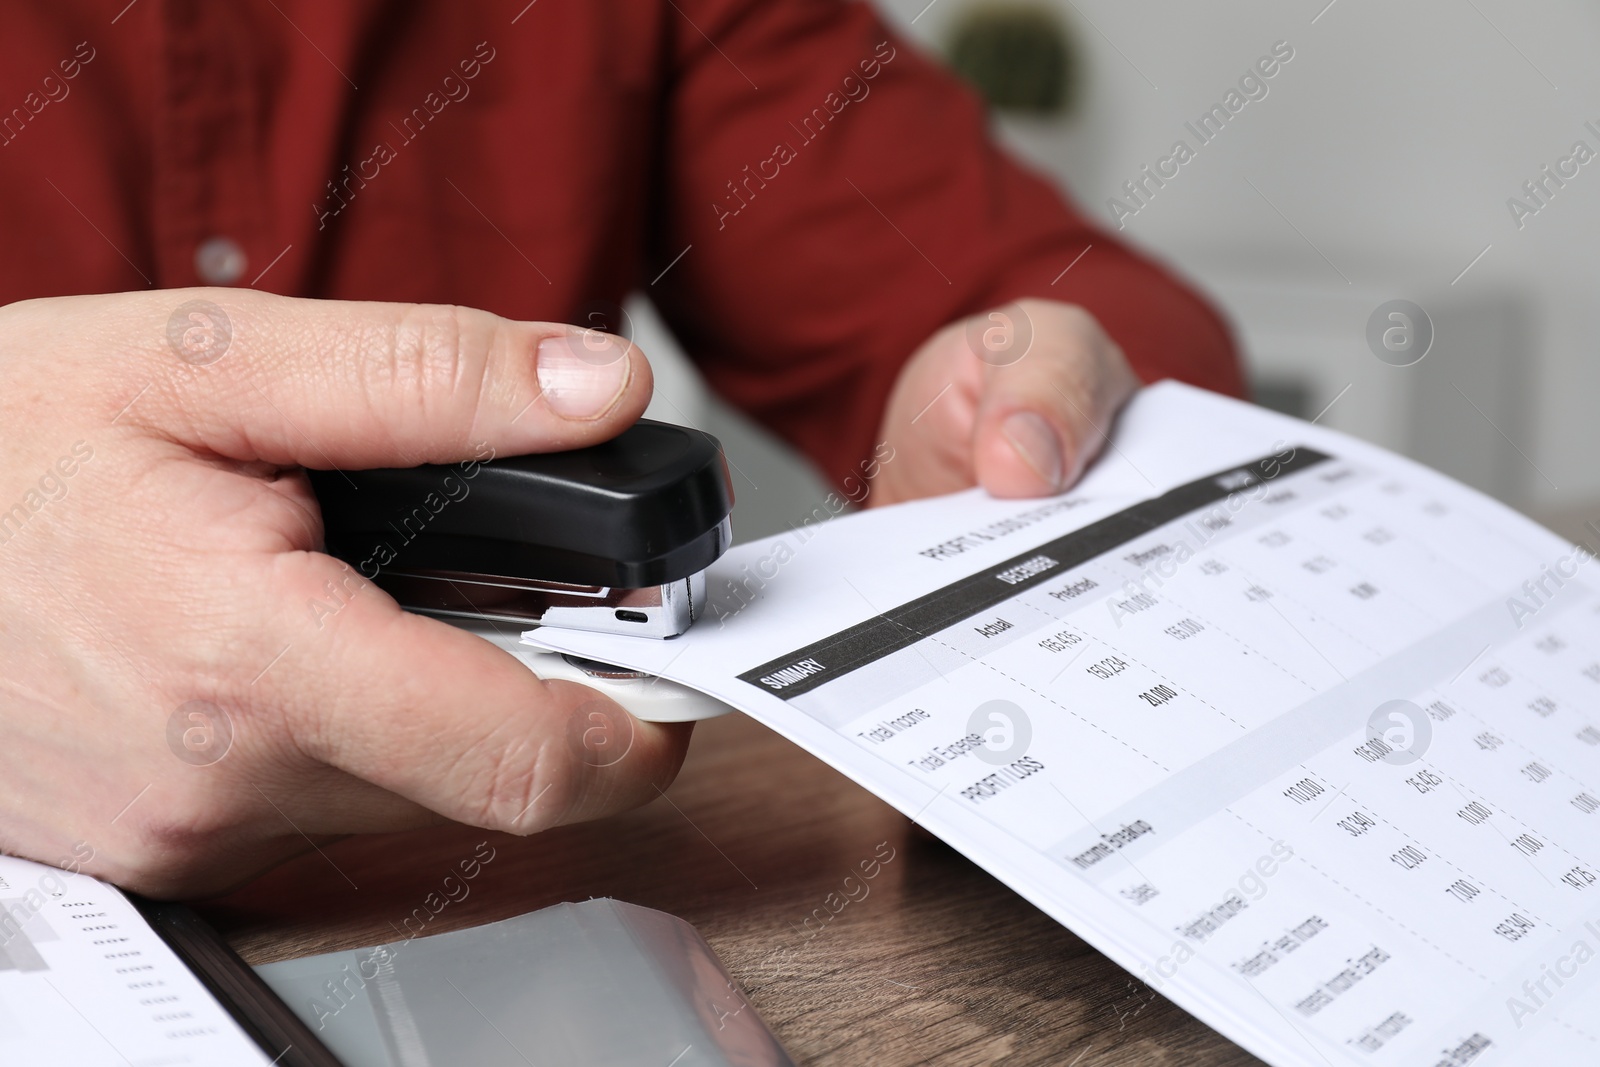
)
(840, 200)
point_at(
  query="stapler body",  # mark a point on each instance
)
(615, 537)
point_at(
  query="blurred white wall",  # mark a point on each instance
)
(1381, 159)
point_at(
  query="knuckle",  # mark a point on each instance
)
(428, 346)
(526, 786)
(1069, 321)
(441, 354)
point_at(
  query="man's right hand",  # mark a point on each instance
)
(190, 691)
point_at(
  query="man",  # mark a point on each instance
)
(813, 206)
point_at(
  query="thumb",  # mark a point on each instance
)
(324, 384)
(445, 719)
(1045, 414)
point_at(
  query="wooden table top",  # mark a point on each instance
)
(936, 964)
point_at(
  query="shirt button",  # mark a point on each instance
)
(219, 261)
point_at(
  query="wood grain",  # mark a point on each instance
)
(934, 963)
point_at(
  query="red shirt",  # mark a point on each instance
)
(804, 196)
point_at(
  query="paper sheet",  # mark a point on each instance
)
(85, 981)
(1303, 734)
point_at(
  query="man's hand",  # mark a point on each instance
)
(189, 690)
(1017, 400)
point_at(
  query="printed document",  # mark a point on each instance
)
(1304, 735)
(85, 981)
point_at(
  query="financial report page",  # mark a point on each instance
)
(1303, 734)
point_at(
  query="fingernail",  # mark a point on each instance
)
(583, 374)
(1038, 446)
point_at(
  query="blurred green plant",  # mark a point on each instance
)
(1018, 56)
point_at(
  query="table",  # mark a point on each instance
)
(936, 964)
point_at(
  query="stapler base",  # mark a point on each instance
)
(646, 697)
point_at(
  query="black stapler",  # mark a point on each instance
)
(615, 537)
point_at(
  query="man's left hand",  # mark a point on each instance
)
(1018, 400)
